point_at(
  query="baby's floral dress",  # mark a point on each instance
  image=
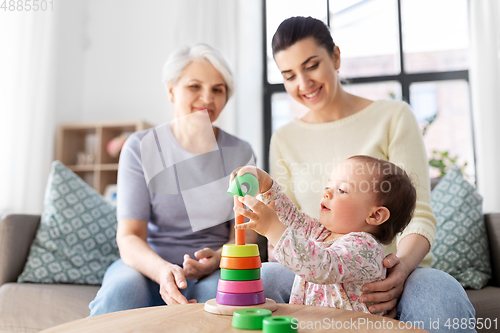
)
(328, 273)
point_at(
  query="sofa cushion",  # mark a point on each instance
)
(486, 303)
(30, 307)
(17, 232)
(493, 227)
(75, 242)
(461, 243)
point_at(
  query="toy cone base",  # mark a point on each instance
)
(212, 307)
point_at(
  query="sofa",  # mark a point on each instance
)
(30, 307)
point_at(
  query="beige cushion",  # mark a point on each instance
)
(486, 302)
(16, 234)
(29, 307)
(492, 222)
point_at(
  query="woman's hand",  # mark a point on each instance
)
(265, 181)
(171, 280)
(387, 292)
(208, 261)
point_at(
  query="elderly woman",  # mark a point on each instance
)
(173, 211)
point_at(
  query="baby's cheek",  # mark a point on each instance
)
(345, 212)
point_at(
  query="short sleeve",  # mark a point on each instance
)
(291, 216)
(133, 197)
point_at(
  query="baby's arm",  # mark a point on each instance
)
(287, 211)
(274, 207)
(263, 219)
(289, 214)
(353, 257)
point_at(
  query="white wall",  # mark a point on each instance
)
(485, 88)
(109, 55)
(70, 39)
(128, 42)
(249, 90)
(111, 52)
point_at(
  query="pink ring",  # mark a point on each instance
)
(240, 287)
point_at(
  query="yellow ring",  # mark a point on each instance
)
(239, 251)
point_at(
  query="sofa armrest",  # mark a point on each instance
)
(16, 235)
(492, 222)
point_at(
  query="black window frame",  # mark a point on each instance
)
(405, 79)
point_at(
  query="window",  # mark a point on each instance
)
(411, 50)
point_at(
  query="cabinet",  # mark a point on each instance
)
(82, 148)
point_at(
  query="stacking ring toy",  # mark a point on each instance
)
(243, 185)
(250, 319)
(240, 274)
(240, 287)
(240, 263)
(240, 299)
(279, 325)
(247, 250)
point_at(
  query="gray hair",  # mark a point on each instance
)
(179, 59)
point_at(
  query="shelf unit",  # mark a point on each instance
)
(91, 139)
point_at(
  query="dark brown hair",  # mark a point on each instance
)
(297, 28)
(394, 190)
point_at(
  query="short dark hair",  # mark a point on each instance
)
(297, 28)
(395, 192)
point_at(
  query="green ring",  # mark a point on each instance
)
(250, 319)
(248, 182)
(240, 251)
(239, 274)
(279, 324)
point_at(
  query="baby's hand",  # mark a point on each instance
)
(265, 181)
(262, 217)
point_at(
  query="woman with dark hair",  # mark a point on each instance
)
(310, 61)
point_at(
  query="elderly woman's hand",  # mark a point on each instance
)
(387, 292)
(171, 280)
(208, 261)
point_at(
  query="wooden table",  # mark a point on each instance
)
(192, 318)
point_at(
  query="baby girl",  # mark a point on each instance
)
(367, 202)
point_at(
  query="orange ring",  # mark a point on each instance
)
(240, 263)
